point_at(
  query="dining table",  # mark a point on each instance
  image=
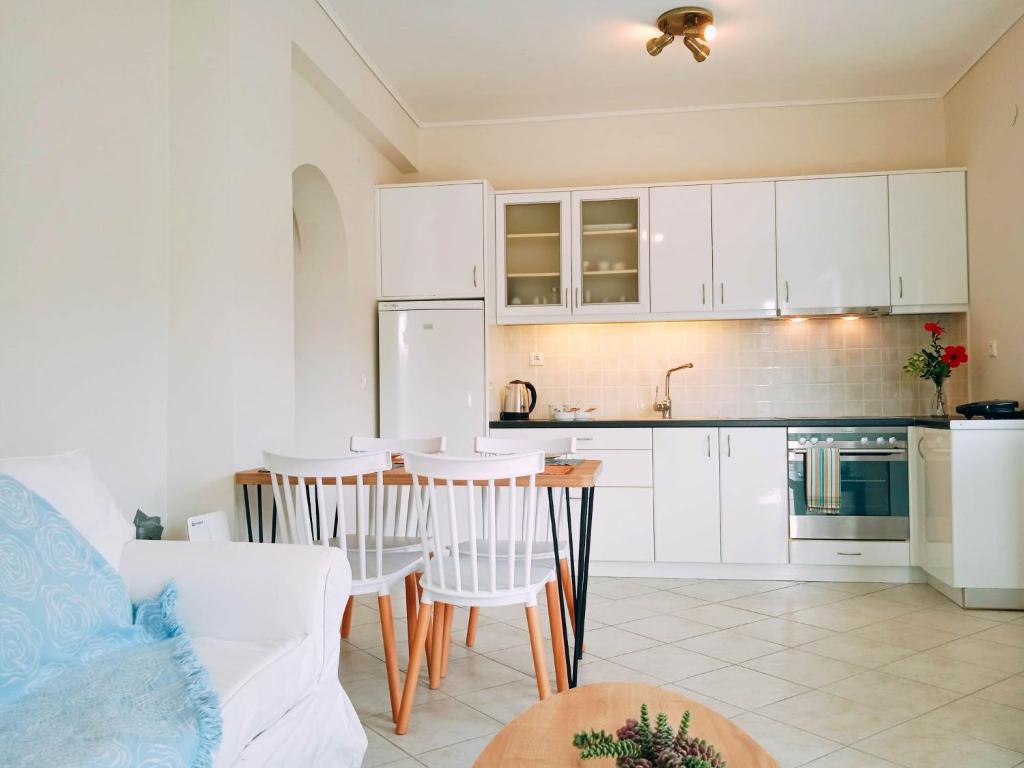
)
(559, 479)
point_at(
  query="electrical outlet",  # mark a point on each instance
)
(993, 348)
(536, 358)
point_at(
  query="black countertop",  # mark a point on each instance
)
(842, 421)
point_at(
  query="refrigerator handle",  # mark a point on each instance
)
(474, 276)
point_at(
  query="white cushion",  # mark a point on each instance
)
(67, 481)
(257, 683)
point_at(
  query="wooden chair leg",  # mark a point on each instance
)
(570, 598)
(430, 643)
(449, 610)
(437, 640)
(411, 601)
(557, 649)
(387, 631)
(346, 618)
(412, 674)
(474, 613)
(537, 647)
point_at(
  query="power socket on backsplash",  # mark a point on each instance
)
(536, 358)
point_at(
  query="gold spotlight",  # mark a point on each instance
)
(695, 25)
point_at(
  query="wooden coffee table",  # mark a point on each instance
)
(542, 735)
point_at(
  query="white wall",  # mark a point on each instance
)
(340, 404)
(83, 238)
(982, 135)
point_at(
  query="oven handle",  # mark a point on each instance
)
(864, 454)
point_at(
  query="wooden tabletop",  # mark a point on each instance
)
(582, 475)
(542, 735)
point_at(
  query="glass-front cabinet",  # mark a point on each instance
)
(610, 252)
(533, 252)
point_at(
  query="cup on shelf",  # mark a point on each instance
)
(619, 266)
(516, 300)
(604, 266)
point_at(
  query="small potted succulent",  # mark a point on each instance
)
(637, 745)
(935, 363)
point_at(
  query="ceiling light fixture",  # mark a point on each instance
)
(695, 25)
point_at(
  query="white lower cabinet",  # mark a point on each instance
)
(623, 525)
(687, 524)
(754, 502)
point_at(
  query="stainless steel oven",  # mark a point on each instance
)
(874, 484)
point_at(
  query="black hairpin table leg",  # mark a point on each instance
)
(558, 575)
(248, 516)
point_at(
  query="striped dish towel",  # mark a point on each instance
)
(822, 474)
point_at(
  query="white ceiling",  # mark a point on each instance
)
(485, 60)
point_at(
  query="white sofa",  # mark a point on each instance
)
(264, 620)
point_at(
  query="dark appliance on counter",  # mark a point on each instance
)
(991, 409)
(874, 484)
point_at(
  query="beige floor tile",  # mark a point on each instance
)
(850, 758)
(520, 658)
(984, 653)
(783, 631)
(405, 762)
(986, 720)
(1009, 634)
(790, 746)
(729, 645)
(788, 599)
(667, 629)
(957, 623)
(1002, 617)
(476, 672)
(917, 745)
(455, 651)
(380, 751)
(668, 663)
(857, 650)
(954, 675)
(904, 635)
(611, 613)
(721, 616)
(434, 725)
(619, 588)
(503, 702)
(832, 717)
(850, 614)
(602, 671)
(1009, 692)
(804, 668)
(757, 586)
(665, 583)
(665, 601)
(723, 708)
(457, 755)
(615, 641)
(355, 664)
(853, 587)
(370, 695)
(899, 694)
(494, 637)
(366, 636)
(713, 591)
(743, 688)
(916, 595)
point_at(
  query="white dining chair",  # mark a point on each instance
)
(373, 569)
(470, 575)
(400, 520)
(552, 447)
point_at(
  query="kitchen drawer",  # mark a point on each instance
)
(816, 552)
(622, 469)
(623, 525)
(593, 438)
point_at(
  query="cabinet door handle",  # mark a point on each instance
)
(566, 302)
(584, 439)
(787, 291)
(703, 294)
(721, 293)
(919, 451)
(577, 298)
(709, 445)
(850, 554)
(474, 277)
(728, 446)
(901, 286)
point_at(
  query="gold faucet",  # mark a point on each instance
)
(665, 406)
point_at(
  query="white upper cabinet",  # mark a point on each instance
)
(610, 256)
(754, 495)
(833, 243)
(681, 276)
(928, 239)
(533, 254)
(686, 511)
(431, 240)
(743, 228)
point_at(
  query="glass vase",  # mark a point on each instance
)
(939, 401)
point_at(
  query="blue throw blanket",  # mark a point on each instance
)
(84, 680)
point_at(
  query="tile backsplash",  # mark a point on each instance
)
(818, 367)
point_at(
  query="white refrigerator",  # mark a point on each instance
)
(433, 371)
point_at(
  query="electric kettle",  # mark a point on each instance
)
(515, 405)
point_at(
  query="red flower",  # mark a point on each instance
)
(953, 356)
(935, 328)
